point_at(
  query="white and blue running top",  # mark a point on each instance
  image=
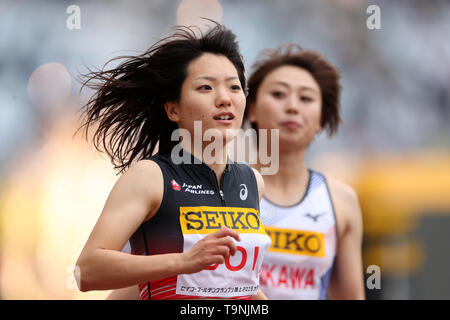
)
(300, 260)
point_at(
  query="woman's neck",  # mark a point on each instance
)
(215, 158)
(292, 172)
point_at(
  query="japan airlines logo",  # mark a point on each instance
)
(244, 192)
(175, 186)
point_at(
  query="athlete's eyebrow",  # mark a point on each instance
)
(285, 84)
(309, 88)
(212, 79)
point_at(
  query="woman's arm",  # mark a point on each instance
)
(128, 293)
(260, 296)
(134, 199)
(260, 182)
(347, 281)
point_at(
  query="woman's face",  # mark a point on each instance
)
(212, 94)
(288, 99)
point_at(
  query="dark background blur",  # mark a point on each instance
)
(393, 146)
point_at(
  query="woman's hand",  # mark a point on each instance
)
(212, 249)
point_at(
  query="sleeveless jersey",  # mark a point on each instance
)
(194, 205)
(304, 242)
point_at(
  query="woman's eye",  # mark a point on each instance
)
(235, 87)
(205, 87)
(306, 99)
(278, 94)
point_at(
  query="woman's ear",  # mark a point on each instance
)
(320, 123)
(319, 128)
(172, 110)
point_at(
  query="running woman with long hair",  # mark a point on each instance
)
(314, 221)
(192, 233)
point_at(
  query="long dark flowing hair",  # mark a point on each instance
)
(128, 103)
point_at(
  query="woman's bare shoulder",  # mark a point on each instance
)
(346, 204)
(260, 182)
(341, 191)
(144, 180)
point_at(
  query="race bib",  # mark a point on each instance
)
(298, 242)
(239, 275)
(293, 266)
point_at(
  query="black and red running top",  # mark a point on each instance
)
(194, 205)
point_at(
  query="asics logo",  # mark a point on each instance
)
(244, 192)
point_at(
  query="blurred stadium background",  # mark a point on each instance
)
(393, 146)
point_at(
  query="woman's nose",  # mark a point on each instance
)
(292, 105)
(223, 99)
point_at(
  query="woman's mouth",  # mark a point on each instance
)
(291, 125)
(225, 118)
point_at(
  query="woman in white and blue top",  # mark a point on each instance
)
(314, 221)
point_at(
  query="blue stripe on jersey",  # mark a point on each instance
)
(324, 283)
(316, 180)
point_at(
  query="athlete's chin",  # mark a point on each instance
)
(225, 135)
(293, 143)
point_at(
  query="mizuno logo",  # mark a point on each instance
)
(315, 217)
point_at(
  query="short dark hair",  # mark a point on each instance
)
(129, 100)
(325, 74)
